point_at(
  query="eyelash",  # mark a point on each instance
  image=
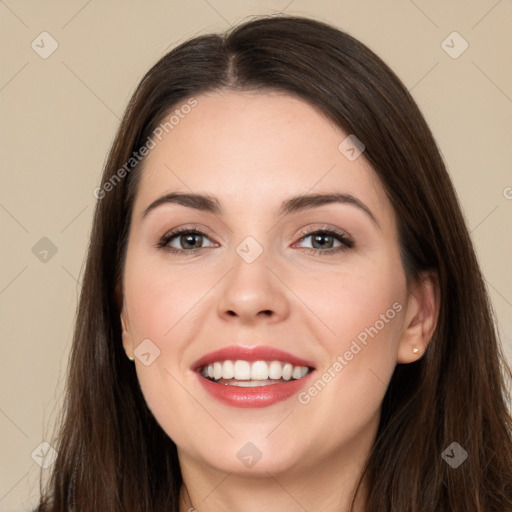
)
(346, 242)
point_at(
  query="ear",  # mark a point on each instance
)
(421, 318)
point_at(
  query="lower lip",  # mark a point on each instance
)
(258, 396)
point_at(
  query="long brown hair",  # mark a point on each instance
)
(112, 454)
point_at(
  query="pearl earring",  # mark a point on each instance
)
(415, 350)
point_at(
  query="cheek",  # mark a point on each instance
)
(355, 302)
(161, 309)
(163, 305)
(162, 299)
(361, 314)
(369, 309)
(362, 355)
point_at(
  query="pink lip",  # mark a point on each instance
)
(258, 353)
(258, 396)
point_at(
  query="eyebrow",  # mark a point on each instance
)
(210, 204)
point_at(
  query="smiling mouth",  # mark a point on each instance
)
(243, 373)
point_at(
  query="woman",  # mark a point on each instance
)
(279, 251)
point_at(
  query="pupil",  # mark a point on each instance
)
(188, 238)
(318, 238)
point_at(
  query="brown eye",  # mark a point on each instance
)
(325, 240)
(184, 240)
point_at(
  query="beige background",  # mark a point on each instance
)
(59, 115)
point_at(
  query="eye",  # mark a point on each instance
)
(323, 241)
(187, 239)
(190, 240)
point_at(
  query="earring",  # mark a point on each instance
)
(415, 350)
(130, 358)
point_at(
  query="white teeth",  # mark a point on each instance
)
(275, 371)
(287, 371)
(228, 370)
(259, 370)
(253, 373)
(242, 370)
(297, 373)
(217, 371)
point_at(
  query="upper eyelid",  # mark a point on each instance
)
(303, 231)
(325, 227)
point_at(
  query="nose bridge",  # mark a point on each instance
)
(251, 288)
(250, 275)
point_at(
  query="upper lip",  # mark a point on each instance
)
(250, 353)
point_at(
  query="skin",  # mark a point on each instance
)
(253, 150)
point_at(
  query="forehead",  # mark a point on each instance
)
(255, 149)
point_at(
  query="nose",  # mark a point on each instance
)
(254, 292)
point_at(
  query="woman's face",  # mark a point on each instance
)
(260, 273)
